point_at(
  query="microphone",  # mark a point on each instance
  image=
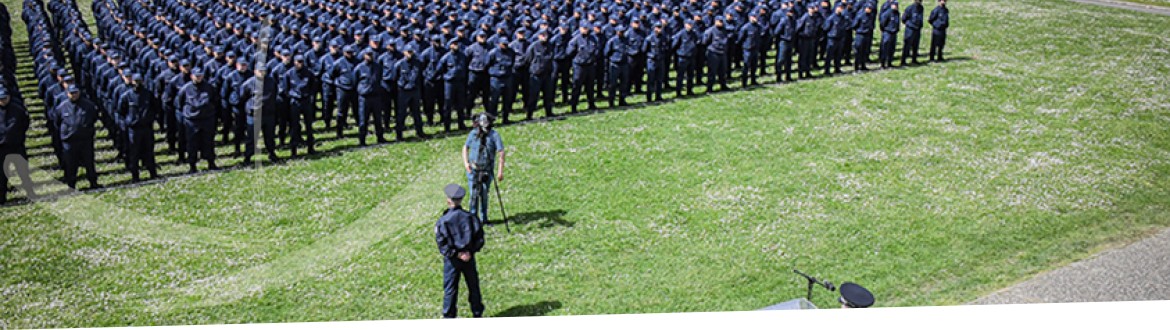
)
(826, 284)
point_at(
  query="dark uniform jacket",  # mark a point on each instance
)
(458, 231)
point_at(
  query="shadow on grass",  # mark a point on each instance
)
(538, 309)
(543, 219)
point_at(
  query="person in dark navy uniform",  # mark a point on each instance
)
(940, 20)
(836, 27)
(540, 66)
(14, 124)
(459, 236)
(453, 68)
(77, 117)
(371, 97)
(785, 31)
(135, 116)
(751, 37)
(618, 57)
(408, 73)
(685, 44)
(863, 26)
(196, 101)
(583, 51)
(501, 62)
(912, 18)
(716, 40)
(807, 30)
(297, 82)
(890, 25)
(657, 50)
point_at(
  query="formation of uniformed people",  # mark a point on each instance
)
(215, 67)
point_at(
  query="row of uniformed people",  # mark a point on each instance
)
(496, 68)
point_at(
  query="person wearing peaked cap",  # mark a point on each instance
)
(372, 97)
(912, 18)
(501, 65)
(539, 56)
(807, 32)
(452, 69)
(716, 40)
(297, 83)
(77, 117)
(617, 55)
(196, 106)
(14, 124)
(940, 20)
(342, 73)
(409, 78)
(890, 22)
(135, 118)
(459, 237)
(836, 28)
(855, 296)
(582, 48)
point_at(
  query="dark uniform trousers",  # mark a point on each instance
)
(455, 107)
(938, 40)
(267, 128)
(140, 149)
(717, 70)
(432, 99)
(283, 118)
(784, 60)
(541, 84)
(888, 45)
(200, 136)
(583, 76)
(563, 76)
(808, 53)
(78, 152)
(301, 114)
(370, 108)
(619, 80)
(862, 45)
(452, 269)
(328, 102)
(750, 60)
(684, 72)
(836, 51)
(503, 95)
(910, 44)
(346, 101)
(239, 112)
(655, 78)
(637, 72)
(477, 85)
(408, 105)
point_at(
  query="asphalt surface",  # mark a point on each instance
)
(1140, 271)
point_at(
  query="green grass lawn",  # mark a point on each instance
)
(1042, 141)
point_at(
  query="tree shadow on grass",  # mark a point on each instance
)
(538, 309)
(543, 219)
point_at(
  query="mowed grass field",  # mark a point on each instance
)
(1042, 141)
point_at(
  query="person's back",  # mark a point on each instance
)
(459, 237)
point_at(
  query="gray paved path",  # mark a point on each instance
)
(1140, 271)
